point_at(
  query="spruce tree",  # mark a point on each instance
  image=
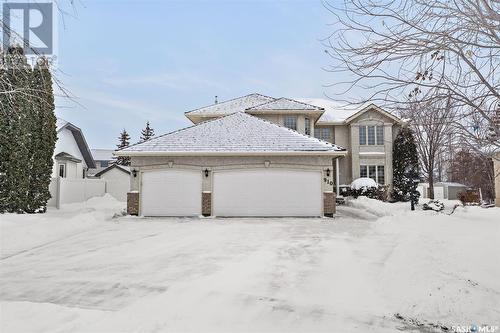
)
(124, 140)
(405, 166)
(147, 133)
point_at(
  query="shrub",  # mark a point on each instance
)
(369, 188)
(434, 205)
(469, 197)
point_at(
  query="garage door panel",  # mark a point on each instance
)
(268, 192)
(171, 193)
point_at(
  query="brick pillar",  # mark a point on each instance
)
(206, 204)
(329, 206)
(133, 203)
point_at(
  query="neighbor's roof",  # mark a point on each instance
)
(285, 104)
(235, 134)
(123, 168)
(80, 140)
(103, 154)
(453, 184)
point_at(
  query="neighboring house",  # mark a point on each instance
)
(72, 156)
(117, 179)
(258, 156)
(103, 158)
(72, 159)
(442, 190)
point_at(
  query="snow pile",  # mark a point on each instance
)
(363, 183)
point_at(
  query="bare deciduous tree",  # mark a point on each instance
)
(433, 124)
(428, 50)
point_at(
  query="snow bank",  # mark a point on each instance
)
(21, 232)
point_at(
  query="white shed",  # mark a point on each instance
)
(117, 179)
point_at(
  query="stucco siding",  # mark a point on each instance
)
(213, 163)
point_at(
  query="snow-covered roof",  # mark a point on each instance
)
(453, 184)
(330, 112)
(285, 104)
(231, 106)
(239, 133)
(79, 138)
(336, 113)
(102, 154)
(60, 123)
(123, 168)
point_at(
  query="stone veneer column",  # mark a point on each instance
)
(206, 203)
(133, 203)
(329, 205)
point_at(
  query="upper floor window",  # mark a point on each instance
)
(375, 172)
(371, 135)
(323, 133)
(307, 126)
(290, 122)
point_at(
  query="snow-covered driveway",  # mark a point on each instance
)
(351, 273)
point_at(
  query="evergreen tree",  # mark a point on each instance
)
(44, 138)
(16, 133)
(147, 133)
(27, 134)
(124, 140)
(405, 166)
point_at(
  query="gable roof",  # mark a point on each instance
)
(125, 169)
(336, 113)
(230, 106)
(285, 104)
(235, 134)
(67, 157)
(80, 140)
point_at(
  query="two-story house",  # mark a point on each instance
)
(260, 156)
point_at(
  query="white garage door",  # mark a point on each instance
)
(171, 193)
(267, 192)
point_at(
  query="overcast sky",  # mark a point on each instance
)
(132, 61)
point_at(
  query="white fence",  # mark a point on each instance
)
(66, 191)
(117, 188)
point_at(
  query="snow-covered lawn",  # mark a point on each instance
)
(377, 267)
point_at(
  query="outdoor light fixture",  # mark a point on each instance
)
(206, 173)
(134, 173)
(328, 172)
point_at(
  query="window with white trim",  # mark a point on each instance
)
(375, 172)
(362, 135)
(62, 170)
(371, 135)
(323, 133)
(307, 126)
(290, 122)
